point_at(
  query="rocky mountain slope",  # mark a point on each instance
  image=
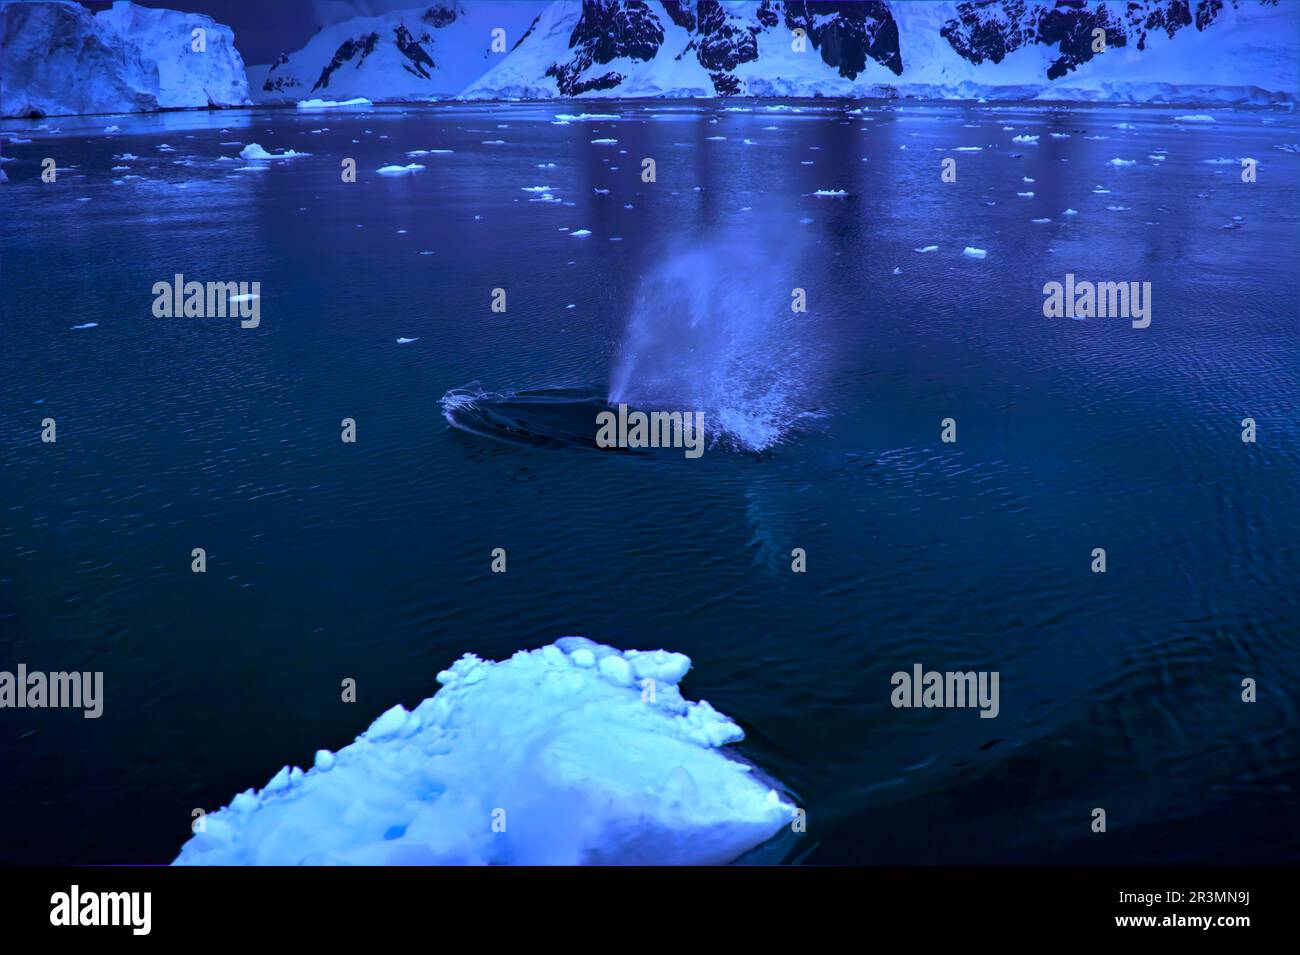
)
(1166, 50)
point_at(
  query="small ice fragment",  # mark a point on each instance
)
(974, 253)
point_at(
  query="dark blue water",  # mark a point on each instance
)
(371, 560)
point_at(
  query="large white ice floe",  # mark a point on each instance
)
(333, 103)
(575, 753)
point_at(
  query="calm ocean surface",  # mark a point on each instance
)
(371, 560)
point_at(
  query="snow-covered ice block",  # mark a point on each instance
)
(255, 151)
(575, 753)
(333, 103)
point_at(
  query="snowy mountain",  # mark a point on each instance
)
(57, 58)
(426, 53)
(1161, 50)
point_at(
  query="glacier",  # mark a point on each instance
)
(59, 59)
(574, 753)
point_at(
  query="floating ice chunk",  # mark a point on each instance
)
(18, 141)
(399, 170)
(927, 248)
(1024, 138)
(833, 193)
(1100, 191)
(1026, 179)
(77, 328)
(569, 117)
(535, 188)
(127, 157)
(112, 129)
(407, 341)
(1118, 208)
(332, 103)
(546, 165)
(969, 149)
(493, 142)
(716, 139)
(1123, 126)
(1059, 135)
(255, 151)
(1070, 212)
(1040, 221)
(563, 745)
(579, 233)
(428, 152)
(1025, 195)
(897, 271)
(604, 142)
(974, 253)
(1194, 118)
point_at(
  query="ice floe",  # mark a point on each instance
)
(569, 754)
(332, 103)
(255, 151)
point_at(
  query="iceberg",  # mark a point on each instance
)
(574, 753)
(255, 151)
(332, 103)
(60, 59)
